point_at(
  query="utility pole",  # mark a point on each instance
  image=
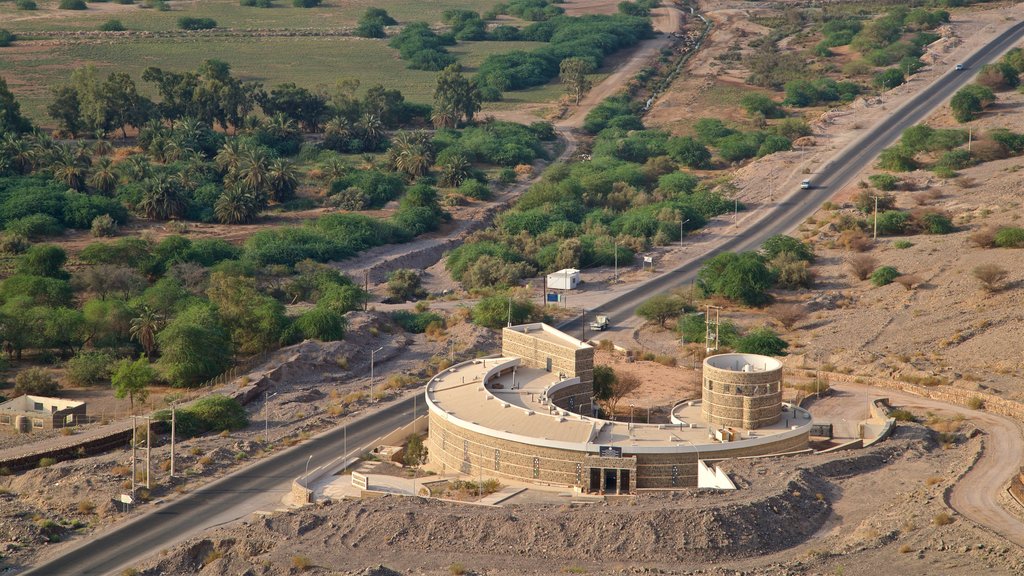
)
(372, 354)
(366, 289)
(266, 414)
(173, 406)
(135, 429)
(616, 277)
(970, 134)
(149, 432)
(735, 210)
(708, 336)
(875, 233)
(681, 222)
(510, 311)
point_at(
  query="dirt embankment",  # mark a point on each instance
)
(782, 504)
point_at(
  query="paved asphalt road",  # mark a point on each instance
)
(169, 523)
(832, 177)
(227, 499)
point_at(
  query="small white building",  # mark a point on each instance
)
(566, 279)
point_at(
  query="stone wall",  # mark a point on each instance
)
(454, 449)
(737, 399)
(535, 352)
(1017, 487)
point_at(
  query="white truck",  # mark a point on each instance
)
(600, 323)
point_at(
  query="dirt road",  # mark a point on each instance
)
(666, 20)
(976, 496)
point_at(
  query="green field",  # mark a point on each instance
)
(227, 13)
(307, 61)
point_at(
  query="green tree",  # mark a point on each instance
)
(662, 307)
(65, 108)
(322, 323)
(415, 451)
(498, 310)
(781, 243)
(195, 346)
(965, 106)
(743, 277)
(573, 73)
(756, 103)
(44, 260)
(762, 341)
(35, 381)
(457, 93)
(889, 78)
(604, 381)
(131, 379)
(255, 321)
(11, 120)
(689, 152)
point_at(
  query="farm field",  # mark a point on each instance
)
(33, 68)
(227, 13)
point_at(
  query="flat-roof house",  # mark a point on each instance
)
(27, 413)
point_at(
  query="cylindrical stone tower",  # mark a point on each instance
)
(742, 391)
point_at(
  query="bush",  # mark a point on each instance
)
(214, 413)
(103, 225)
(498, 310)
(89, 368)
(416, 322)
(889, 78)
(6, 38)
(112, 26)
(1009, 237)
(72, 5)
(256, 3)
(884, 275)
(893, 222)
(781, 243)
(936, 223)
(190, 23)
(35, 381)
(743, 277)
(762, 341)
(897, 159)
(321, 323)
(475, 189)
(884, 182)
(35, 226)
(861, 265)
(762, 104)
(305, 3)
(26, 4)
(405, 284)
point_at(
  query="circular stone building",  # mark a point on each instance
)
(528, 416)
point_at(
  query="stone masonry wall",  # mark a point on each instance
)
(738, 399)
(455, 449)
(535, 352)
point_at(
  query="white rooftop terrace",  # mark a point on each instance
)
(514, 405)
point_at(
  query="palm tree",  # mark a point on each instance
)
(42, 151)
(229, 156)
(104, 177)
(454, 171)
(135, 168)
(412, 153)
(283, 179)
(371, 129)
(68, 170)
(144, 329)
(163, 198)
(334, 169)
(151, 130)
(102, 147)
(18, 152)
(253, 170)
(444, 116)
(236, 206)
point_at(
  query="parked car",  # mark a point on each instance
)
(806, 184)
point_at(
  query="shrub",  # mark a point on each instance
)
(902, 415)
(475, 189)
(861, 265)
(897, 159)
(884, 275)
(975, 403)
(1009, 237)
(893, 222)
(788, 315)
(212, 413)
(942, 519)
(103, 225)
(884, 182)
(496, 311)
(936, 223)
(761, 104)
(762, 341)
(908, 281)
(902, 244)
(866, 202)
(743, 277)
(305, 3)
(405, 284)
(256, 3)
(889, 78)
(46, 463)
(35, 381)
(190, 23)
(781, 243)
(301, 563)
(417, 322)
(112, 26)
(991, 276)
(26, 4)
(72, 5)
(89, 368)
(6, 38)
(35, 226)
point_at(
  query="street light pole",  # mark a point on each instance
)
(372, 354)
(173, 406)
(616, 277)
(266, 414)
(681, 222)
(632, 409)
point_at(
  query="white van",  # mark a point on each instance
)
(806, 184)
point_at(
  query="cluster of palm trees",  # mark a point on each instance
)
(367, 134)
(252, 177)
(413, 154)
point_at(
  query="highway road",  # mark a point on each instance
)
(236, 495)
(227, 499)
(832, 177)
